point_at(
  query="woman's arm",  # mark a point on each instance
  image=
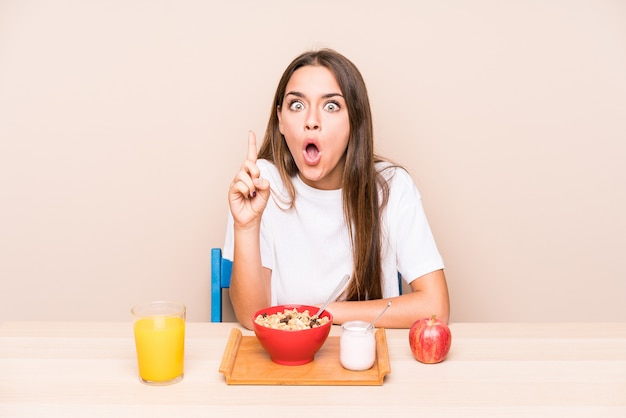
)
(429, 296)
(248, 196)
(250, 281)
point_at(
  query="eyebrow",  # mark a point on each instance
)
(325, 96)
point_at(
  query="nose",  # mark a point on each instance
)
(312, 121)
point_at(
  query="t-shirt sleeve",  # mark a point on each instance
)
(416, 251)
(265, 238)
(264, 241)
(229, 241)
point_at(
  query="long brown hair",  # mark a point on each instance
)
(361, 183)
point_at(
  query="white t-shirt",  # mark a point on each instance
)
(308, 248)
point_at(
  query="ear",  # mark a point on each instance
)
(280, 120)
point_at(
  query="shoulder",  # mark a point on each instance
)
(267, 167)
(279, 189)
(270, 172)
(396, 176)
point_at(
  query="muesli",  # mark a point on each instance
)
(290, 319)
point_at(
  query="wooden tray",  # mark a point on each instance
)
(245, 362)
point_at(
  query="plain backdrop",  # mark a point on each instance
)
(122, 123)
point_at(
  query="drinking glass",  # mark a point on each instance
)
(159, 329)
(357, 345)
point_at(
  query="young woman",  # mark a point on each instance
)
(316, 203)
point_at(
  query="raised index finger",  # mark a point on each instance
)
(252, 151)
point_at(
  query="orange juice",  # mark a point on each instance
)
(160, 343)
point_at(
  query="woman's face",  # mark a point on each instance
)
(314, 121)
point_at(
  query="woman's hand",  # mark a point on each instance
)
(248, 193)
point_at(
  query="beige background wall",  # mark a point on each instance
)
(122, 123)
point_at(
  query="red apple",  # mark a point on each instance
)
(430, 340)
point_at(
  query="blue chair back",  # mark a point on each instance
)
(221, 270)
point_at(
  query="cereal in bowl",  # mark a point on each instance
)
(290, 320)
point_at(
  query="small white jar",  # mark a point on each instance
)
(357, 346)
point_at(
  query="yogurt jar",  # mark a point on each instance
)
(357, 346)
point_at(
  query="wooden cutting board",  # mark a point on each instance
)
(245, 362)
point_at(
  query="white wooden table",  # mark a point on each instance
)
(88, 369)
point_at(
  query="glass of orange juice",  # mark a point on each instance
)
(160, 341)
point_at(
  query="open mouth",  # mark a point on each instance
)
(312, 152)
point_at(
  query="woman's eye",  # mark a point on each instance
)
(296, 105)
(331, 107)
